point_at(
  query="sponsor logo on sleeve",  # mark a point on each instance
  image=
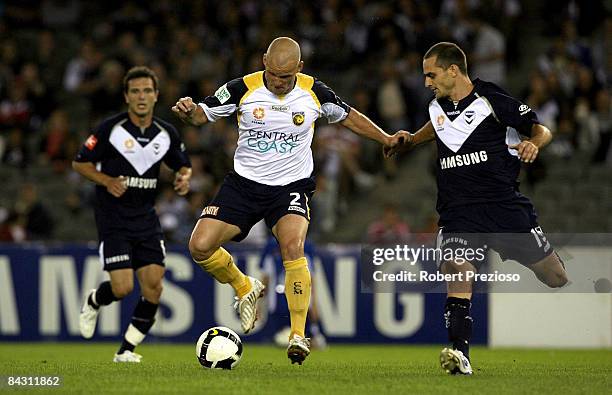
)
(91, 142)
(223, 94)
(524, 109)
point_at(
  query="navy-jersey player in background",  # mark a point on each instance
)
(478, 127)
(123, 157)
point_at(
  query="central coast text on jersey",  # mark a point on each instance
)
(475, 164)
(272, 141)
(275, 132)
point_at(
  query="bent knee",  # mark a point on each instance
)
(292, 249)
(122, 290)
(202, 249)
(153, 293)
(556, 281)
(452, 267)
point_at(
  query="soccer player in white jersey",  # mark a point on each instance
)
(272, 177)
(478, 127)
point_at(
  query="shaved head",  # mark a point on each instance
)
(283, 52)
(282, 61)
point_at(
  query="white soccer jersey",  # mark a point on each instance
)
(275, 132)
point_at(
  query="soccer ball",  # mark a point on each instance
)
(219, 348)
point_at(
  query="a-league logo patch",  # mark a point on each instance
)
(91, 142)
(298, 118)
(259, 113)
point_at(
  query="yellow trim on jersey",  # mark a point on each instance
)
(307, 208)
(306, 82)
(253, 82)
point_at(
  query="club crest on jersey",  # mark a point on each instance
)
(129, 143)
(259, 113)
(440, 120)
(298, 118)
(469, 116)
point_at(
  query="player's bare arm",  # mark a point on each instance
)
(189, 112)
(529, 149)
(411, 140)
(363, 126)
(181, 180)
(116, 186)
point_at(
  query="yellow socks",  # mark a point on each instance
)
(297, 291)
(221, 266)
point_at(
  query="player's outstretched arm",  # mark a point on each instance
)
(189, 112)
(363, 126)
(116, 186)
(529, 149)
(411, 140)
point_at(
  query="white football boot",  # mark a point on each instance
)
(88, 318)
(454, 362)
(247, 305)
(298, 349)
(127, 356)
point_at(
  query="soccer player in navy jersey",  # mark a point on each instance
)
(482, 134)
(272, 178)
(123, 157)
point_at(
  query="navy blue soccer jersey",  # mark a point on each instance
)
(118, 147)
(475, 164)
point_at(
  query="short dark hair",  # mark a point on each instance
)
(446, 54)
(139, 72)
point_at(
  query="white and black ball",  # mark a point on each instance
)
(219, 348)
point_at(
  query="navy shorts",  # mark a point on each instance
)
(123, 252)
(243, 202)
(509, 228)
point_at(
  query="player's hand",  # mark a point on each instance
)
(527, 151)
(117, 186)
(181, 184)
(400, 142)
(185, 108)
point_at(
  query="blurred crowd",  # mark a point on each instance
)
(62, 62)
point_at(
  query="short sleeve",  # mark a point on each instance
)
(512, 112)
(95, 148)
(332, 107)
(176, 157)
(225, 100)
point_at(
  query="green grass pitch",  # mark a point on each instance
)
(342, 369)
